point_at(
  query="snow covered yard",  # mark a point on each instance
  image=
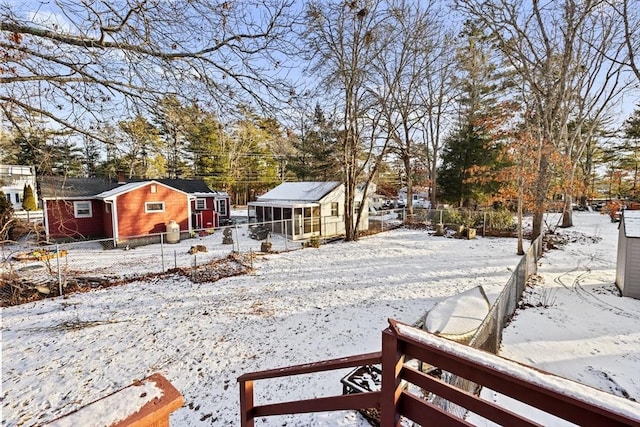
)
(304, 306)
(574, 324)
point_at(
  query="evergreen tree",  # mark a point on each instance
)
(631, 146)
(6, 214)
(63, 158)
(28, 199)
(172, 119)
(252, 165)
(31, 150)
(49, 155)
(315, 156)
(473, 149)
(141, 143)
(207, 145)
(90, 157)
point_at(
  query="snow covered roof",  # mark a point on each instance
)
(285, 203)
(631, 223)
(299, 191)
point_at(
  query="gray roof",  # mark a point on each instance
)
(122, 188)
(631, 223)
(53, 187)
(299, 191)
(190, 186)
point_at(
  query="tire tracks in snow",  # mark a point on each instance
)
(587, 296)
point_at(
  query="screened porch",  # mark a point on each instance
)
(299, 221)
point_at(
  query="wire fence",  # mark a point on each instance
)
(489, 334)
(202, 255)
(491, 222)
(57, 269)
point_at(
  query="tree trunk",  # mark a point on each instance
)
(520, 250)
(541, 188)
(432, 192)
(567, 212)
(407, 167)
(349, 197)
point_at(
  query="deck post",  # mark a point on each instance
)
(392, 361)
(246, 403)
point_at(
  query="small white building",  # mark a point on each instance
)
(301, 210)
(628, 262)
(13, 178)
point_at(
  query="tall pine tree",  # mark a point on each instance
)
(473, 148)
(316, 150)
(631, 145)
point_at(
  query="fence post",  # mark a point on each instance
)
(194, 272)
(484, 225)
(59, 272)
(162, 249)
(237, 238)
(286, 235)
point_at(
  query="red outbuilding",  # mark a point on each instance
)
(135, 212)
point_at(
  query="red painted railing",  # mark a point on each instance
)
(138, 411)
(400, 343)
(248, 411)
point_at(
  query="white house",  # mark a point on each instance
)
(301, 210)
(13, 178)
(628, 261)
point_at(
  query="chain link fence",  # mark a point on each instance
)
(32, 272)
(488, 336)
(491, 222)
(202, 255)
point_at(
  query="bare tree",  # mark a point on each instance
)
(438, 96)
(344, 39)
(410, 48)
(79, 62)
(562, 52)
(629, 13)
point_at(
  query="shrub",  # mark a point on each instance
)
(452, 216)
(500, 219)
(314, 242)
(6, 213)
(28, 199)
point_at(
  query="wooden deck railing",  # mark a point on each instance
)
(400, 343)
(248, 411)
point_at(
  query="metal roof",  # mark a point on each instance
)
(310, 191)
